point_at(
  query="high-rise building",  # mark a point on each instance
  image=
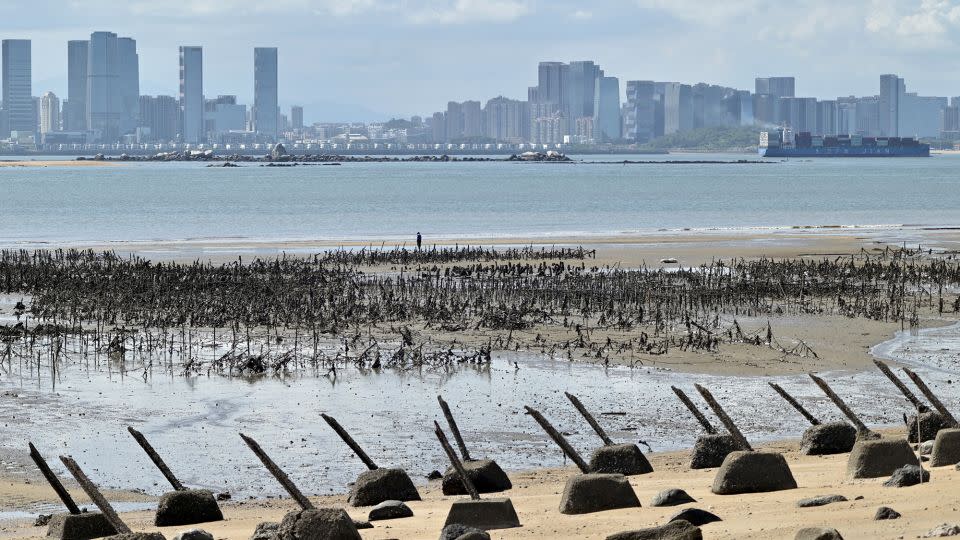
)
(552, 80)
(191, 95)
(438, 127)
(160, 116)
(581, 84)
(920, 116)
(677, 108)
(104, 95)
(49, 113)
(454, 121)
(75, 106)
(827, 118)
(128, 72)
(781, 87)
(506, 120)
(18, 105)
(223, 115)
(296, 117)
(892, 89)
(606, 109)
(266, 112)
(472, 119)
(640, 112)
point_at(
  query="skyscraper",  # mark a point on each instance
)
(266, 119)
(639, 112)
(472, 119)
(191, 94)
(551, 83)
(49, 113)
(892, 89)
(17, 87)
(160, 115)
(581, 84)
(296, 117)
(506, 120)
(75, 106)
(454, 121)
(781, 87)
(677, 108)
(128, 72)
(606, 109)
(104, 98)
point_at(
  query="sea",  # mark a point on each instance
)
(390, 202)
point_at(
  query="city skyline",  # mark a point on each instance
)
(470, 41)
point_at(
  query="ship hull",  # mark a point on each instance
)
(920, 150)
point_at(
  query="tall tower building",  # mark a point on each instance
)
(892, 89)
(75, 106)
(606, 109)
(18, 104)
(104, 105)
(266, 119)
(129, 79)
(296, 117)
(191, 94)
(781, 87)
(49, 113)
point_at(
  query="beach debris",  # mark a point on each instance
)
(626, 459)
(796, 404)
(587, 492)
(829, 438)
(925, 426)
(946, 448)
(879, 458)
(885, 512)
(724, 418)
(389, 510)
(710, 450)
(483, 514)
(43, 520)
(911, 397)
(98, 499)
(194, 534)
(945, 529)
(818, 533)
(908, 475)
(672, 497)
(668, 260)
(182, 506)
(694, 410)
(52, 479)
(931, 397)
(822, 500)
(458, 531)
(486, 474)
(862, 431)
(376, 485)
(278, 473)
(674, 530)
(695, 516)
(746, 471)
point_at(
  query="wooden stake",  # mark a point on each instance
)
(917, 404)
(53, 480)
(727, 421)
(278, 473)
(350, 442)
(934, 400)
(693, 409)
(840, 404)
(559, 439)
(454, 429)
(590, 419)
(796, 404)
(156, 459)
(98, 499)
(452, 456)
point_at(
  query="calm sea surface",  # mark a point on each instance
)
(188, 201)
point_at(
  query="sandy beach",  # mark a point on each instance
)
(536, 496)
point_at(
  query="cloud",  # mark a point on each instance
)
(471, 11)
(581, 15)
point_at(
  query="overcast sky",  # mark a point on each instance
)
(366, 58)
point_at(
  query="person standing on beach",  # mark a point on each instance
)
(419, 240)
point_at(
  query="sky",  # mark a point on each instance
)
(376, 59)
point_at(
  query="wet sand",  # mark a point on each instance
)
(536, 495)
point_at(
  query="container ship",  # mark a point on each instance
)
(783, 143)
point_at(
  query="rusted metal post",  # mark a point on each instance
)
(693, 409)
(722, 415)
(590, 419)
(98, 499)
(454, 429)
(840, 404)
(278, 473)
(559, 439)
(53, 480)
(934, 400)
(452, 456)
(350, 442)
(911, 397)
(156, 459)
(796, 404)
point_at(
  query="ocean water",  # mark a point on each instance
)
(147, 202)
